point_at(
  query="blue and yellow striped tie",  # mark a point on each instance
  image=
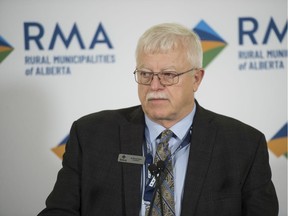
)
(167, 180)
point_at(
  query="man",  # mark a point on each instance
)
(210, 165)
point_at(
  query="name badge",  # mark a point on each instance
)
(133, 159)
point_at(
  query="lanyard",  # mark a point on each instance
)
(150, 181)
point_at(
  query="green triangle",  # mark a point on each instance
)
(4, 54)
(208, 56)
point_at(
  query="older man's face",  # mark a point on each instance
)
(167, 105)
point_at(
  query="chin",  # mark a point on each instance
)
(160, 117)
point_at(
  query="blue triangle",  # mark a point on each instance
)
(282, 132)
(204, 27)
(3, 42)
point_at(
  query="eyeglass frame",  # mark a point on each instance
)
(162, 72)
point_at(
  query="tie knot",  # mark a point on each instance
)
(166, 135)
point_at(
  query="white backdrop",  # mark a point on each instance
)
(37, 110)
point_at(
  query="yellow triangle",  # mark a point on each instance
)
(5, 48)
(278, 146)
(208, 45)
(59, 150)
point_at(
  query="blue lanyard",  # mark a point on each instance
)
(150, 181)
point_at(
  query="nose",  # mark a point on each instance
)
(155, 83)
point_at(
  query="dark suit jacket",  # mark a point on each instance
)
(228, 171)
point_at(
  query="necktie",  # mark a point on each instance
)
(167, 178)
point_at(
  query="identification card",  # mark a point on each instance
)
(133, 159)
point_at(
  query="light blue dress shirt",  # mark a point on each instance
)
(179, 160)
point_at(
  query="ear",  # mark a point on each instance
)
(198, 76)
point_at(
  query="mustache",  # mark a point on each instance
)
(156, 95)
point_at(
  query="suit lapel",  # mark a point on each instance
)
(202, 141)
(131, 136)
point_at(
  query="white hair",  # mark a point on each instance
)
(165, 37)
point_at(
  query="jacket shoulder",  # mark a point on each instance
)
(112, 116)
(228, 123)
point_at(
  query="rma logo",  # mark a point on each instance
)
(34, 33)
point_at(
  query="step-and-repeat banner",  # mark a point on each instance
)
(60, 60)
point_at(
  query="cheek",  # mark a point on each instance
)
(188, 96)
(184, 94)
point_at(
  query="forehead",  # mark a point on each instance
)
(168, 59)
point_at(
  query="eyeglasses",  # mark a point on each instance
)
(166, 78)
